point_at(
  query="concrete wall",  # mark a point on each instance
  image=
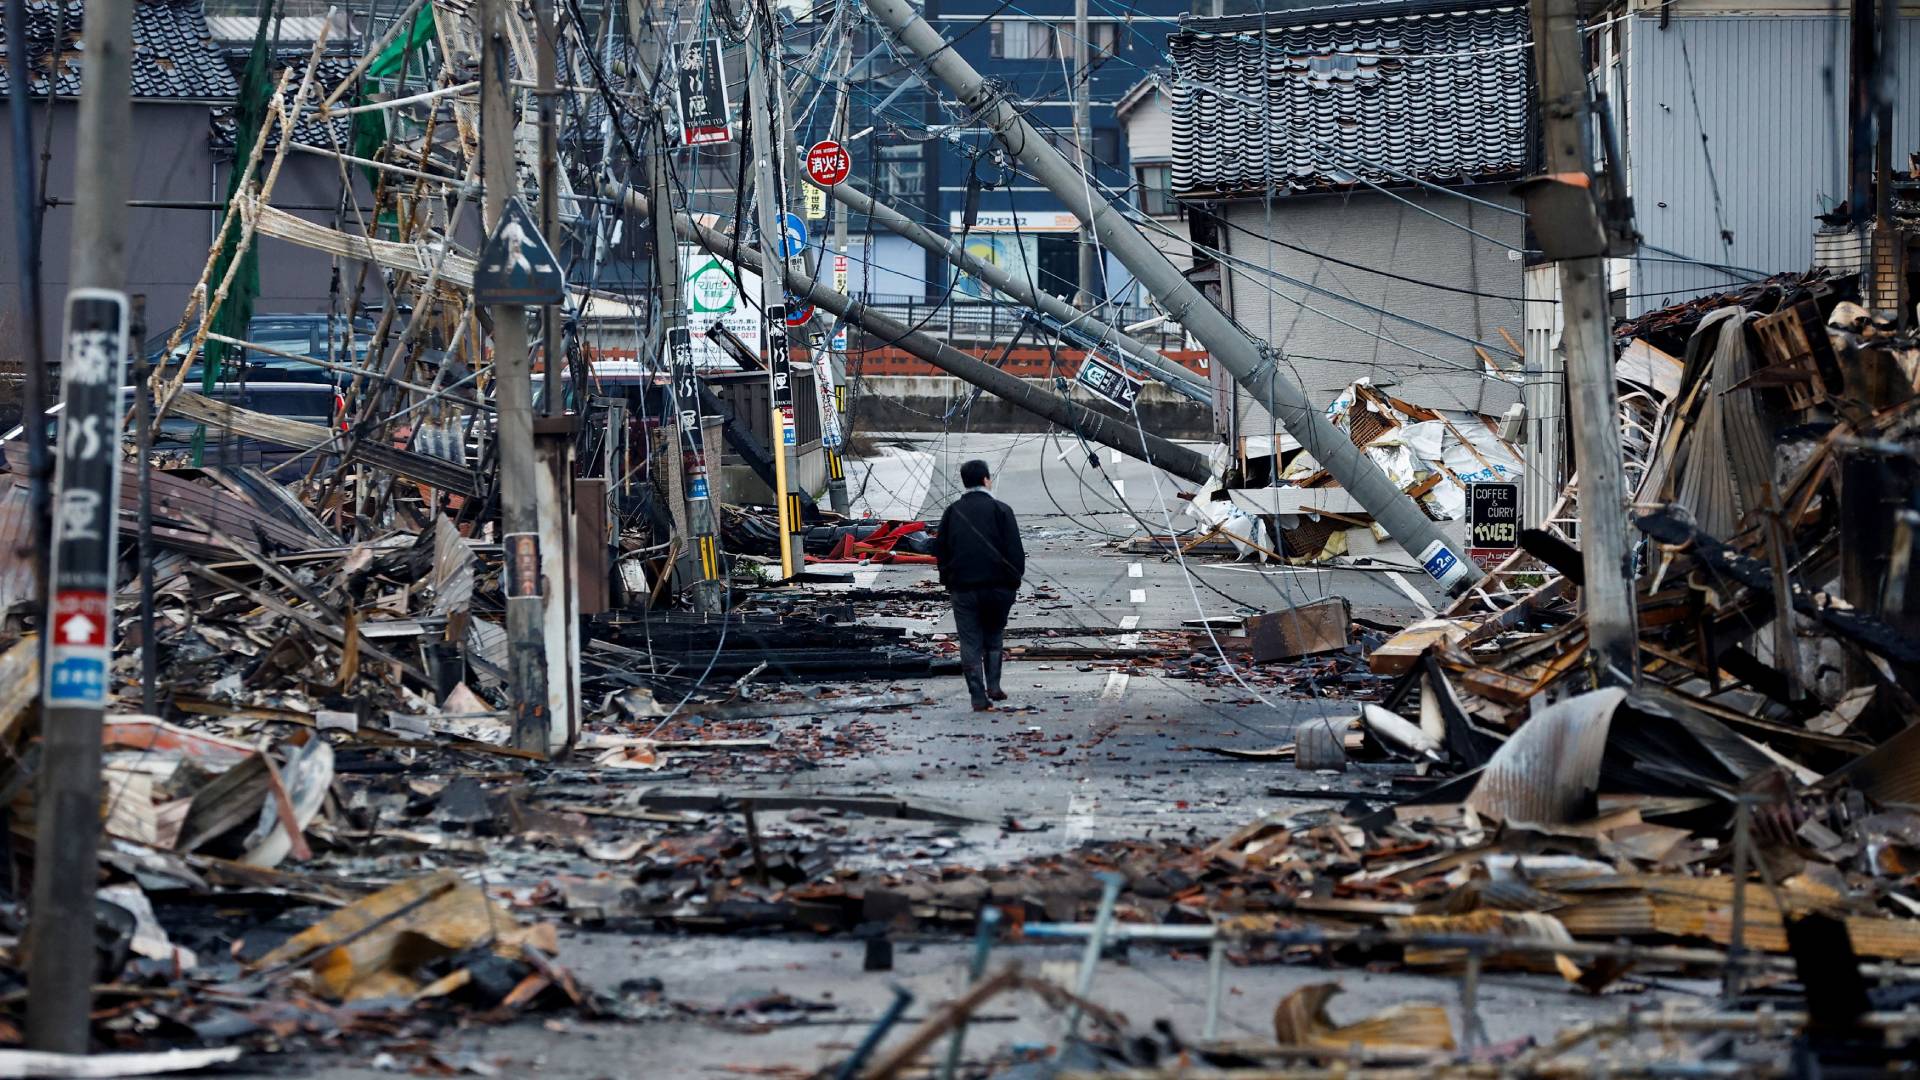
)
(1312, 312)
(1756, 86)
(171, 161)
(166, 248)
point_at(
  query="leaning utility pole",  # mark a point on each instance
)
(832, 358)
(1179, 379)
(513, 406)
(772, 217)
(697, 568)
(75, 682)
(1122, 434)
(1254, 365)
(1565, 217)
(1083, 140)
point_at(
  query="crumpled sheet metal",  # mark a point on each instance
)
(1548, 773)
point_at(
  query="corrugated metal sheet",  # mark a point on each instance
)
(1776, 136)
(292, 29)
(1549, 772)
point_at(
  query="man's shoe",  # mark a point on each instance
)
(983, 706)
(997, 695)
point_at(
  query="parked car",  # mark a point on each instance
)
(318, 337)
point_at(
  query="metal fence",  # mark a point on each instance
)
(982, 324)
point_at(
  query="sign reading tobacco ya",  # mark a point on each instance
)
(705, 112)
(713, 295)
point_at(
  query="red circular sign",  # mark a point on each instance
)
(828, 163)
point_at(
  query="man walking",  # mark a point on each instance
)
(981, 563)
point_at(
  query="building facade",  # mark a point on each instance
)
(1732, 125)
(1345, 173)
(913, 152)
(184, 86)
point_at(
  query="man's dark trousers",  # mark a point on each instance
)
(980, 616)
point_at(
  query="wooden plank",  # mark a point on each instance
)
(280, 607)
(1401, 651)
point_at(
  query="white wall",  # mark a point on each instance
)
(1330, 341)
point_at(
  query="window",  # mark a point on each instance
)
(1011, 39)
(902, 172)
(1156, 190)
(1103, 39)
(1106, 146)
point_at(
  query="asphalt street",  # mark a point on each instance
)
(1085, 750)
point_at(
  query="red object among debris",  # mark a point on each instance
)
(877, 547)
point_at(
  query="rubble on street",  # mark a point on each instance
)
(539, 671)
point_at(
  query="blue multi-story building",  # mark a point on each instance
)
(931, 160)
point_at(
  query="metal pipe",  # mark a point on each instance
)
(1123, 436)
(143, 440)
(1216, 985)
(1041, 932)
(977, 967)
(33, 386)
(1089, 960)
(902, 997)
(1254, 365)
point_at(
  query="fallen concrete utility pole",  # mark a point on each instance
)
(1253, 364)
(1121, 435)
(1178, 378)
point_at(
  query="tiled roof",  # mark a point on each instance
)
(309, 130)
(173, 56)
(1373, 91)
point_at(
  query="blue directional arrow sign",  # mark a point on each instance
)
(793, 237)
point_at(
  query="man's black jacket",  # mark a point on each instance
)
(979, 544)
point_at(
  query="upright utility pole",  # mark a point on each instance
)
(833, 357)
(27, 210)
(553, 433)
(75, 680)
(1252, 363)
(1087, 299)
(698, 566)
(771, 207)
(513, 407)
(1564, 215)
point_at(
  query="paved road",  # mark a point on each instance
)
(1090, 751)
